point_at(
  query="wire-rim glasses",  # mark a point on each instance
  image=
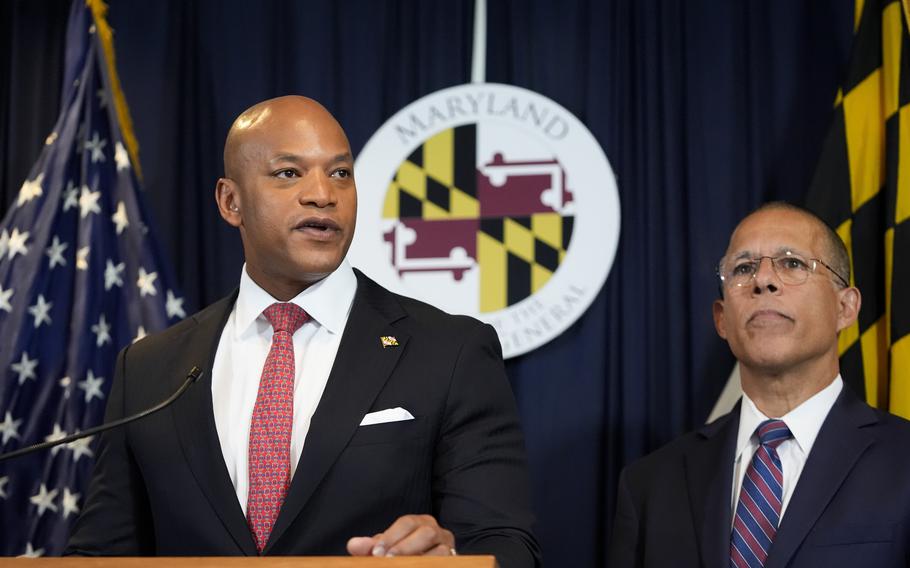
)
(790, 268)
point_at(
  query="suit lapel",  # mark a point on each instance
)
(361, 368)
(840, 443)
(195, 421)
(709, 476)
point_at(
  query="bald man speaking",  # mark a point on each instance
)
(333, 416)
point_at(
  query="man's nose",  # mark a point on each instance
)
(765, 276)
(317, 189)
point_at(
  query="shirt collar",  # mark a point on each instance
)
(804, 421)
(328, 302)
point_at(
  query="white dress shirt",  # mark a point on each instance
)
(804, 422)
(241, 354)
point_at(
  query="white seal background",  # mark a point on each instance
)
(496, 108)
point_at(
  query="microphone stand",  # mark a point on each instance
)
(191, 377)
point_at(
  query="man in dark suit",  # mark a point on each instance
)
(412, 442)
(801, 472)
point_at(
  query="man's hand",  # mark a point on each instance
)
(410, 535)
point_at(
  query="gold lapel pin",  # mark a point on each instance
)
(388, 341)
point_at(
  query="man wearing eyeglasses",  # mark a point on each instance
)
(801, 472)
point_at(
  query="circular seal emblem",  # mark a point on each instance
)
(492, 201)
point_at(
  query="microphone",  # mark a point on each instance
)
(191, 377)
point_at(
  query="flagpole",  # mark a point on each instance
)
(479, 51)
(106, 35)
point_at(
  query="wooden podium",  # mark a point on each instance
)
(265, 562)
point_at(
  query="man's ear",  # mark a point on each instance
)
(849, 301)
(717, 310)
(228, 199)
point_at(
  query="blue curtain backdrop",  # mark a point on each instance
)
(705, 109)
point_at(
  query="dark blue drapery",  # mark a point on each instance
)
(705, 109)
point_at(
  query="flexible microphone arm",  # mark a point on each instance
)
(191, 378)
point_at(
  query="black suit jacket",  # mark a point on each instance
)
(850, 507)
(160, 485)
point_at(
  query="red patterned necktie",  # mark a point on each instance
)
(758, 511)
(270, 429)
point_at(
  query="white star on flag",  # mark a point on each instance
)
(82, 258)
(55, 253)
(44, 500)
(30, 190)
(146, 283)
(119, 218)
(80, 448)
(121, 157)
(102, 331)
(140, 334)
(174, 306)
(9, 428)
(96, 145)
(57, 434)
(92, 386)
(113, 275)
(88, 201)
(25, 368)
(16, 244)
(70, 196)
(70, 502)
(41, 311)
(4, 299)
(30, 552)
(3, 482)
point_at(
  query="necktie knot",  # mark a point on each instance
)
(773, 433)
(285, 316)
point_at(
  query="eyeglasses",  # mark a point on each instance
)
(791, 268)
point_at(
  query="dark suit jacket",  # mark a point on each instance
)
(850, 507)
(160, 485)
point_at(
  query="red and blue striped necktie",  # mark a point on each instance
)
(759, 506)
(270, 429)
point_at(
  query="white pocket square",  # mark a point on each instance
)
(396, 414)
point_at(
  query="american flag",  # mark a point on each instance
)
(81, 276)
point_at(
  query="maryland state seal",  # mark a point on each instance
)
(492, 201)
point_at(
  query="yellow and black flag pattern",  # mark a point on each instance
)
(437, 181)
(862, 188)
(518, 255)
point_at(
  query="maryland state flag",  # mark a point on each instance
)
(511, 218)
(862, 187)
